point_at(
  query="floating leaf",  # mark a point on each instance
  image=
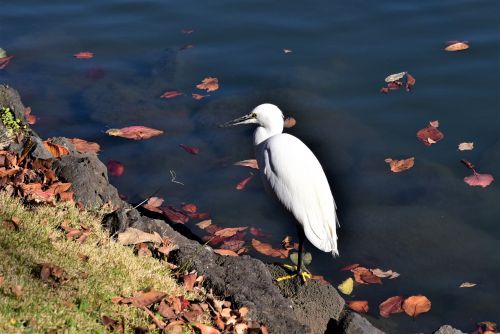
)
(204, 224)
(467, 285)
(287, 51)
(395, 77)
(242, 184)
(360, 306)
(31, 119)
(209, 84)
(85, 146)
(4, 61)
(289, 122)
(190, 149)
(479, 180)
(384, 274)
(187, 31)
(410, 82)
(465, 146)
(349, 267)
(252, 163)
(363, 275)
(430, 134)
(153, 204)
(400, 165)
(84, 55)
(198, 96)
(171, 94)
(175, 215)
(456, 46)
(136, 132)
(390, 306)
(347, 286)
(230, 231)
(115, 168)
(268, 250)
(415, 305)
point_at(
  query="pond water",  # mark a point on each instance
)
(425, 223)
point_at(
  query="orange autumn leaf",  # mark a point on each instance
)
(268, 250)
(360, 306)
(415, 305)
(225, 252)
(430, 134)
(209, 84)
(242, 184)
(56, 150)
(84, 55)
(363, 275)
(85, 146)
(171, 94)
(390, 306)
(289, 122)
(252, 163)
(31, 119)
(400, 165)
(136, 132)
(229, 231)
(198, 96)
(189, 281)
(456, 46)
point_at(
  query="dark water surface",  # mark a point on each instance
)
(426, 223)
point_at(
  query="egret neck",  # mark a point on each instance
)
(271, 128)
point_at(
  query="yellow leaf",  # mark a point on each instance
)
(347, 286)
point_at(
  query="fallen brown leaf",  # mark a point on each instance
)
(132, 236)
(229, 231)
(457, 46)
(84, 55)
(198, 96)
(268, 250)
(55, 150)
(467, 285)
(415, 305)
(289, 122)
(189, 281)
(360, 306)
(31, 119)
(252, 163)
(204, 224)
(115, 168)
(398, 166)
(242, 184)
(136, 132)
(171, 94)
(363, 275)
(190, 149)
(430, 134)
(205, 329)
(209, 84)
(391, 305)
(85, 146)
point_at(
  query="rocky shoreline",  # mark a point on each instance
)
(283, 307)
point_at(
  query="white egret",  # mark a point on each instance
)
(294, 174)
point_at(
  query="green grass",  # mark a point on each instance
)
(77, 305)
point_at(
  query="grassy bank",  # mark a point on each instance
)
(84, 274)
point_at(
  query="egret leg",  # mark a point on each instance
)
(303, 274)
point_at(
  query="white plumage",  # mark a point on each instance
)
(295, 175)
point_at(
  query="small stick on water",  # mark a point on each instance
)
(174, 176)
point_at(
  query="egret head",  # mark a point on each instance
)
(266, 115)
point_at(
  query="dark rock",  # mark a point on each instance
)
(353, 323)
(315, 304)
(447, 329)
(89, 179)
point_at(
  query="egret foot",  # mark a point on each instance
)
(303, 274)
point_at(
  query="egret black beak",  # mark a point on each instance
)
(241, 120)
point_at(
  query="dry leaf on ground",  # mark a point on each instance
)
(415, 305)
(400, 165)
(56, 150)
(132, 236)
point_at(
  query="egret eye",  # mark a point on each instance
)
(254, 115)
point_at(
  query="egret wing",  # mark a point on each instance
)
(299, 182)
